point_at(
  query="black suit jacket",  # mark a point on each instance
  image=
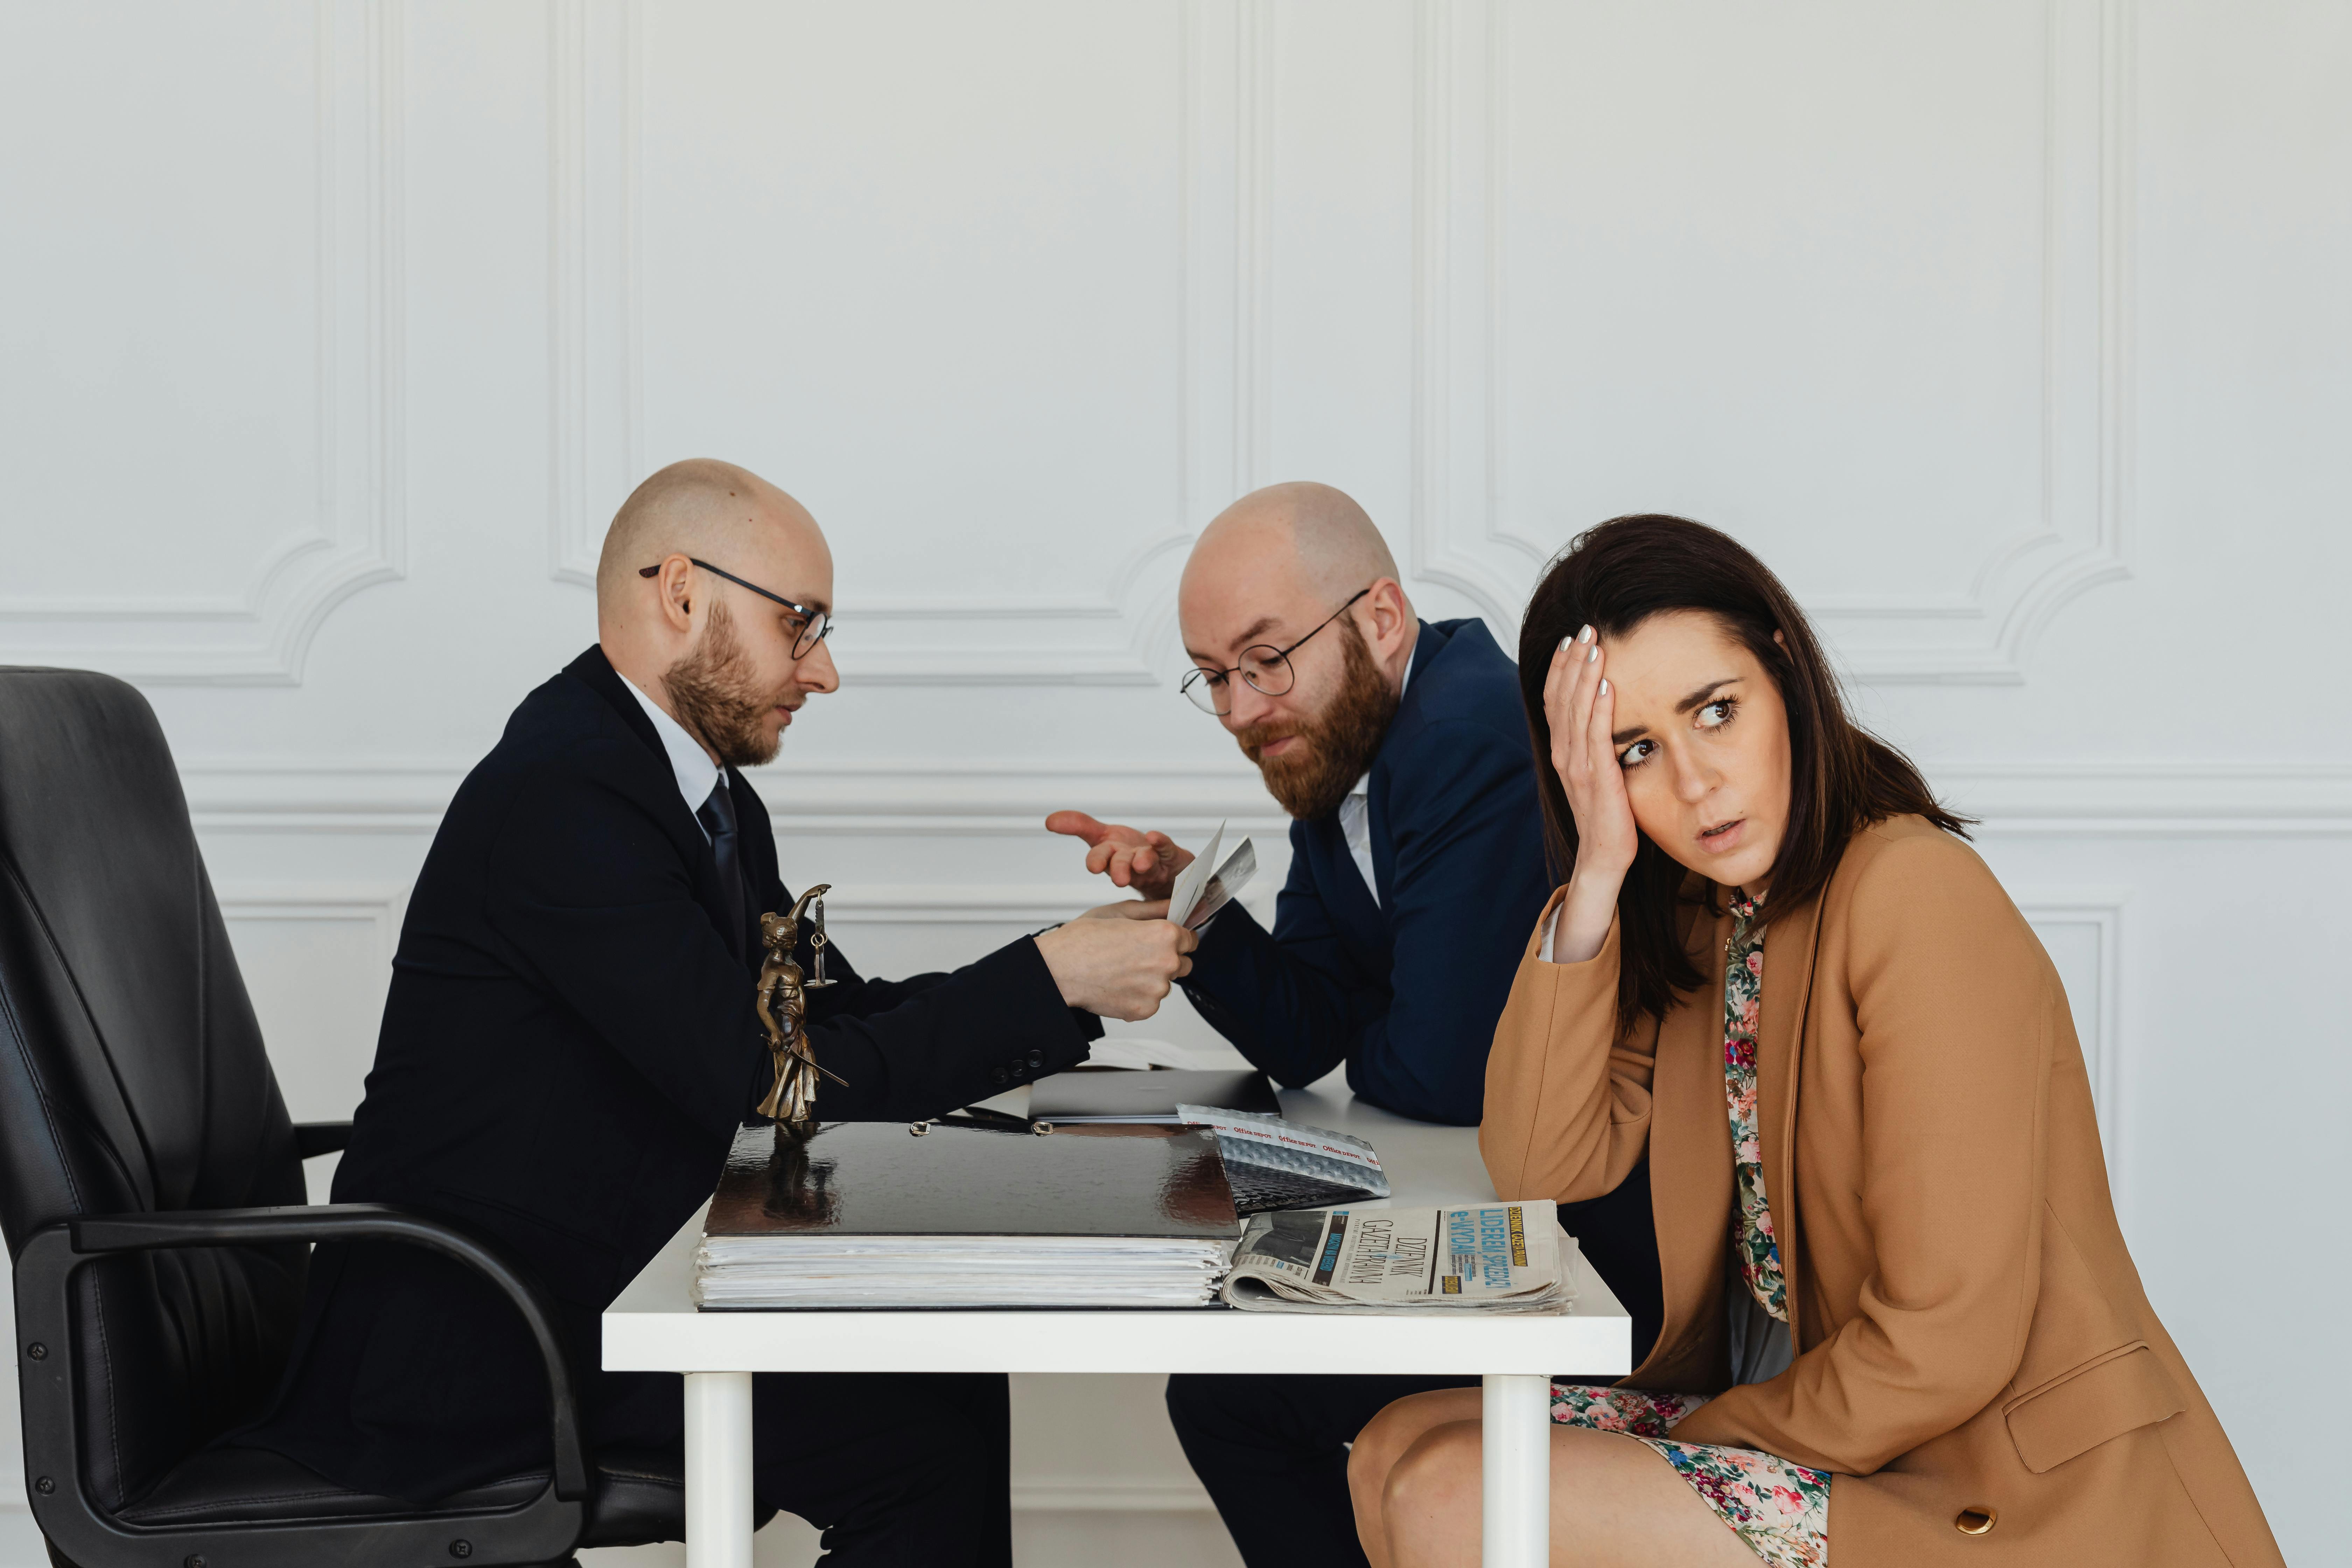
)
(567, 1051)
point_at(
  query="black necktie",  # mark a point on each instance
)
(718, 819)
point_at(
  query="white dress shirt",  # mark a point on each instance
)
(697, 776)
(1356, 812)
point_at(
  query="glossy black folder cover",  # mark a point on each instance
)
(874, 1178)
(1149, 1094)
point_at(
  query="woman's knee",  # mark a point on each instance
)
(1433, 1482)
(1388, 1435)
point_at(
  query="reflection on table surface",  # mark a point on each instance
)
(1426, 1162)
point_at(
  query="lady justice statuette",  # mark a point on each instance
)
(782, 1001)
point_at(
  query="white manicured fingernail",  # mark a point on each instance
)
(1585, 635)
(1565, 643)
(1593, 655)
(1604, 686)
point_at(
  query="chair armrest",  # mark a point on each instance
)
(312, 1139)
(46, 1265)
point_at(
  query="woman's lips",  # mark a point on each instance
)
(1726, 835)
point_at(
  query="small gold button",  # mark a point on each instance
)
(1974, 1521)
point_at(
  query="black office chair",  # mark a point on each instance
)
(150, 1189)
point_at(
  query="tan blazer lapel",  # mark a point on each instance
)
(1690, 1180)
(1791, 943)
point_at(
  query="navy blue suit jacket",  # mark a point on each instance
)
(1404, 988)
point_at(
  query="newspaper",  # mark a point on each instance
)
(1206, 886)
(1491, 1258)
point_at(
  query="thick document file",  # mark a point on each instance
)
(876, 1215)
(1147, 1097)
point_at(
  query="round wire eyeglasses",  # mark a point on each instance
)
(1265, 668)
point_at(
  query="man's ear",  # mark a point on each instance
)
(673, 585)
(1392, 612)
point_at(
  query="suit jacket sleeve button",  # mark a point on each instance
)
(996, 1075)
(1036, 1059)
(1974, 1521)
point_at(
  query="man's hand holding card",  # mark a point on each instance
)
(1194, 886)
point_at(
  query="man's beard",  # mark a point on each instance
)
(716, 700)
(1336, 745)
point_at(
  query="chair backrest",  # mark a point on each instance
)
(132, 1076)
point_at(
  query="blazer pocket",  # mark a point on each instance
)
(2077, 1411)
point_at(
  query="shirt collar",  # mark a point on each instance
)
(1363, 786)
(697, 776)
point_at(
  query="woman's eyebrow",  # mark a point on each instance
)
(1695, 701)
(1703, 693)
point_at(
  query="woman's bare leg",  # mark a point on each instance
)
(1383, 1442)
(1615, 1503)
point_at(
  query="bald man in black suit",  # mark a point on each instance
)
(570, 1045)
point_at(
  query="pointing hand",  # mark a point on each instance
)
(1147, 862)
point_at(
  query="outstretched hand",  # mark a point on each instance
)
(1147, 862)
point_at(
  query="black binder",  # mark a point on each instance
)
(1146, 1096)
(965, 1214)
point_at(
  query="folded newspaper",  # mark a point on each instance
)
(1489, 1257)
(1272, 1164)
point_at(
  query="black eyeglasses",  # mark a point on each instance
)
(1266, 668)
(816, 625)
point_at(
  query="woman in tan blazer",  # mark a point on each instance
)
(1900, 1319)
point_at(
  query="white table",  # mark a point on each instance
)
(653, 1327)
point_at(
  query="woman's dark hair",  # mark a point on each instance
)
(1841, 778)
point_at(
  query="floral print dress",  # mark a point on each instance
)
(1780, 1509)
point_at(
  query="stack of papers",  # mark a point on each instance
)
(943, 1271)
(968, 1214)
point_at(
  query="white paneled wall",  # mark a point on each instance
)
(2012, 333)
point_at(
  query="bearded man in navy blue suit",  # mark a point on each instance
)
(1399, 748)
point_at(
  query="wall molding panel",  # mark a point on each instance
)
(2099, 911)
(355, 537)
(1460, 536)
(1980, 629)
(1461, 531)
(987, 796)
(1982, 637)
(596, 364)
(595, 348)
(378, 904)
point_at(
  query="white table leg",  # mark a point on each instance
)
(1515, 1438)
(719, 1469)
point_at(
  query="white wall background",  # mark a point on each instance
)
(2014, 332)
